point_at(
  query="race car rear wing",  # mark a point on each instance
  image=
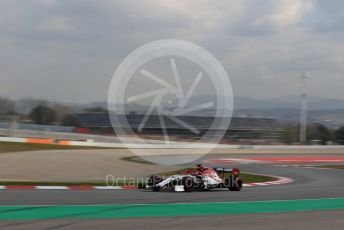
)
(223, 170)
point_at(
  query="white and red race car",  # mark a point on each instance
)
(200, 178)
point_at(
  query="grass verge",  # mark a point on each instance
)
(136, 159)
(331, 166)
(246, 177)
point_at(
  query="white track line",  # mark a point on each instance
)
(52, 187)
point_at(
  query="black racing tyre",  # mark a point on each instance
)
(189, 184)
(141, 186)
(238, 184)
(235, 183)
(156, 188)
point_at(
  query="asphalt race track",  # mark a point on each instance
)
(309, 183)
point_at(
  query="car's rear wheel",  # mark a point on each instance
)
(189, 184)
(235, 183)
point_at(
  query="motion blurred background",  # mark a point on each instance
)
(58, 57)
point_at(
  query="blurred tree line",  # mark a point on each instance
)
(49, 113)
(42, 112)
(44, 115)
(37, 112)
(316, 133)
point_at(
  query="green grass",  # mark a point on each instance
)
(253, 178)
(331, 166)
(136, 159)
(246, 177)
(6, 147)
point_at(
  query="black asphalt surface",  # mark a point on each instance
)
(318, 220)
(309, 183)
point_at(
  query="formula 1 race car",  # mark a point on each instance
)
(200, 178)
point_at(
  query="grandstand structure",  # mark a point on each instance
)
(249, 129)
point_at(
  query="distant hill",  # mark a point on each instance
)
(285, 102)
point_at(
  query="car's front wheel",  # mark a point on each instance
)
(153, 181)
(189, 184)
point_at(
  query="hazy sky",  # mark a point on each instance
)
(67, 50)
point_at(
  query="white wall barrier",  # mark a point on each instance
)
(77, 139)
(13, 139)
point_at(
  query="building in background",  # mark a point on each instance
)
(242, 129)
